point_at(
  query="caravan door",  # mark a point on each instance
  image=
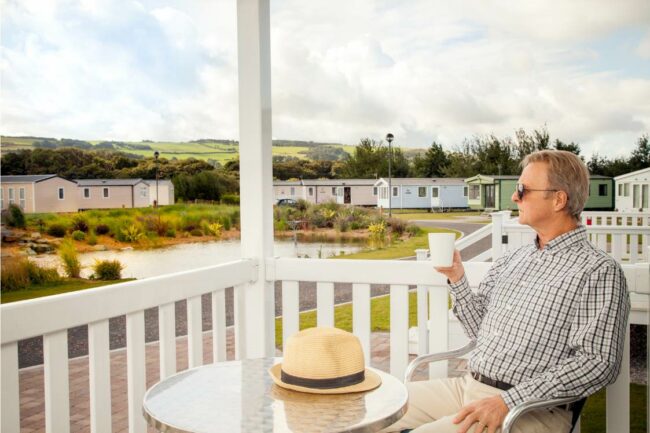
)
(435, 196)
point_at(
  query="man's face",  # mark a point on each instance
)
(535, 207)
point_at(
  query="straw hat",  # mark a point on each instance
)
(324, 361)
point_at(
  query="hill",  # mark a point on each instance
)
(205, 149)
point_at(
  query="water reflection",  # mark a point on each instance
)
(149, 263)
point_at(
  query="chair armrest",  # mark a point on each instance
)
(434, 357)
(522, 408)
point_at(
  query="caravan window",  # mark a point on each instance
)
(422, 191)
(21, 198)
(434, 191)
(602, 190)
(61, 193)
(474, 192)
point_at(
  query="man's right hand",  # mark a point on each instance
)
(454, 272)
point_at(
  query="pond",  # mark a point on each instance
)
(150, 263)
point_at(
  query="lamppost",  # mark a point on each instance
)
(156, 154)
(389, 139)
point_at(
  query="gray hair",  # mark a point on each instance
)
(566, 172)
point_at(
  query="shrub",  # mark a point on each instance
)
(92, 239)
(56, 230)
(70, 259)
(156, 224)
(14, 275)
(281, 225)
(14, 216)
(39, 275)
(196, 232)
(397, 225)
(214, 229)
(102, 229)
(131, 234)
(230, 199)
(171, 232)
(377, 230)
(302, 205)
(342, 223)
(79, 223)
(78, 235)
(107, 270)
(413, 230)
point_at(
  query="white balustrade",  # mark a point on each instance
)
(132, 298)
(56, 314)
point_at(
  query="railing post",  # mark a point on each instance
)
(256, 179)
(423, 319)
(497, 233)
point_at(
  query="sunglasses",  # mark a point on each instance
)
(521, 189)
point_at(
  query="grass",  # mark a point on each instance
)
(57, 288)
(593, 415)
(410, 214)
(379, 316)
(399, 249)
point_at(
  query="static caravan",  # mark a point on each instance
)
(39, 193)
(112, 193)
(164, 194)
(423, 193)
(632, 191)
(495, 192)
(357, 192)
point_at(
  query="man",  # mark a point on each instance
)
(549, 318)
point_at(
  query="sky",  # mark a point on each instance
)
(342, 70)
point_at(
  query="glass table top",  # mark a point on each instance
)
(240, 396)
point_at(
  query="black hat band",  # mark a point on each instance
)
(335, 382)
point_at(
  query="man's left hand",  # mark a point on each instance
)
(489, 413)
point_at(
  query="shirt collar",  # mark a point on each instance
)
(565, 240)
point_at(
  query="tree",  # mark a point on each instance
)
(571, 147)
(494, 156)
(367, 160)
(432, 164)
(641, 155)
(462, 163)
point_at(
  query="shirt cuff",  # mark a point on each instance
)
(460, 289)
(512, 397)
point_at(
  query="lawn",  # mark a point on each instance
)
(593, 415)
(399, 249)
(57, 288)
(409, 214)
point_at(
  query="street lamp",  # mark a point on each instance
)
(389, 139)
(156, 154)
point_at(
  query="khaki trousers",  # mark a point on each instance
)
(433, 405)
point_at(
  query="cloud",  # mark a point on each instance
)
(422, 70)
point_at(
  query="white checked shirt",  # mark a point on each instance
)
(552, 322)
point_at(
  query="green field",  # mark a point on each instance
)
(218, 150)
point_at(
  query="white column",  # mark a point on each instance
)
(256, 179)
(497, 232)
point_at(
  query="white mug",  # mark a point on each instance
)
(441, 248)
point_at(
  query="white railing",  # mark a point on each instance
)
(52, 316)
(627, 242)
(616, 219)
(94, 307)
